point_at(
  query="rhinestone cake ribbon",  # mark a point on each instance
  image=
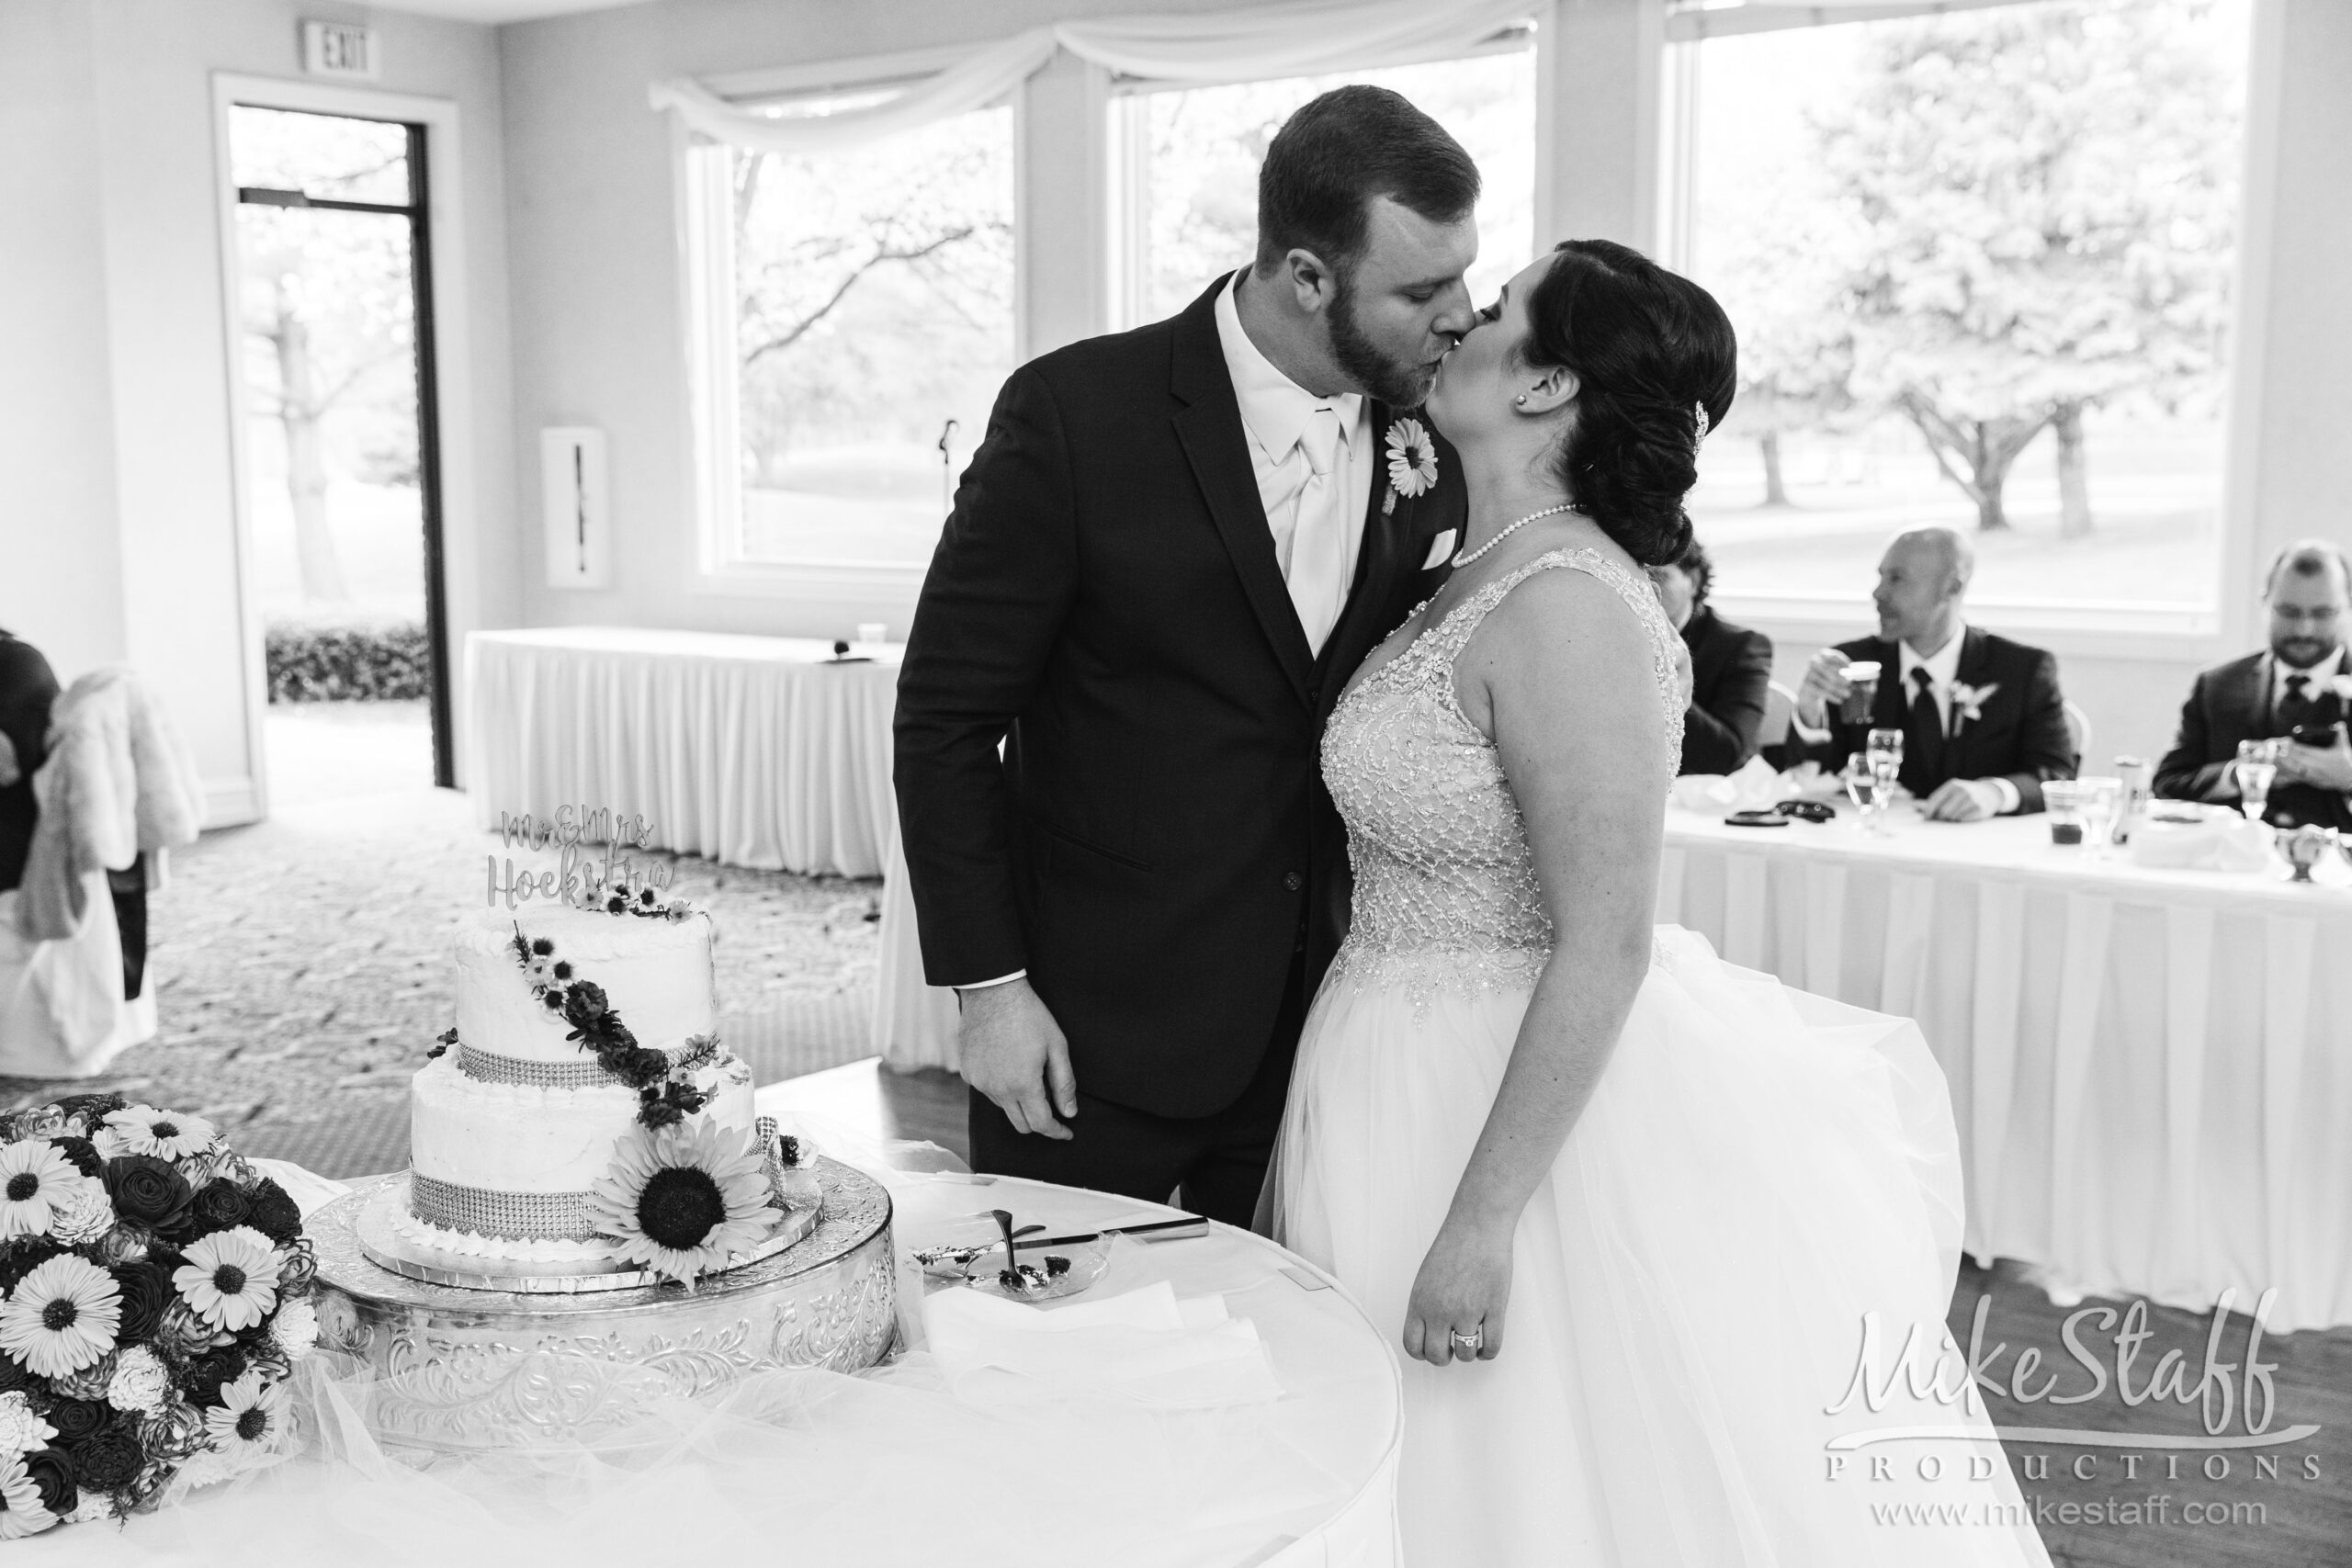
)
(509, 1217)
(483, 1066)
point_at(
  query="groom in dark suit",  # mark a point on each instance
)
(1984, 724)
(1168, 554)
(2291, 689)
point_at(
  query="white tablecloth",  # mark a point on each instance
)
(751, 750)
(2152, 1071)
(1309, 1481)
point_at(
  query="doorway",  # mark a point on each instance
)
(344, 485)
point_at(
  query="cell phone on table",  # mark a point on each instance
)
(1755, 819)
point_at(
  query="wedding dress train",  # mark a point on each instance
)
(1756, 1170)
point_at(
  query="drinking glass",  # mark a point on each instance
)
(1862, 788)
(2102, 806)
(1884, 751)
(2258, 771)
(2068, 804)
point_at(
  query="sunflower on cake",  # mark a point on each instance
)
(581, 1118)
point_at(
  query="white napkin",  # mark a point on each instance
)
(1145, 1344)
(2217, 843)
(1756, 787)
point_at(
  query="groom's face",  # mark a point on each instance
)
(1403, 304)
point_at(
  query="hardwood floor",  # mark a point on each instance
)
(2096, 1506)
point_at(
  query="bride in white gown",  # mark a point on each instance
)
(1628, 1207)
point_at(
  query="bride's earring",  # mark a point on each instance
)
(1521, 399)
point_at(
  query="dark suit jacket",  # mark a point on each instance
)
(2023, 735)
(27, 690)
(1155, 845)
(1731, 668)
(2230, 703)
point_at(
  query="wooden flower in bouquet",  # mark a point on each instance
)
(154, 1297)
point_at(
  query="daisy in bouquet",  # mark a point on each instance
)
(154, 1297)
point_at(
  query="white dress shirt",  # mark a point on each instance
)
(1310, 456)
(1314, 505)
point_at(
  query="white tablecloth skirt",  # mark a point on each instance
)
(2152, 1071)
(750, 751)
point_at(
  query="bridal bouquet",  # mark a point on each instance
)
(154, 1297)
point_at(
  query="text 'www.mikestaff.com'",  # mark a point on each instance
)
(2040, 1512)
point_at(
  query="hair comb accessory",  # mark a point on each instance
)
(1698, 424)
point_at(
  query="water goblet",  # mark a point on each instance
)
(2258, 771)
(1862, 788)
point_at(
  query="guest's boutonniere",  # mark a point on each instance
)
(2342, 687)
(1412, 462)
(1968, 702)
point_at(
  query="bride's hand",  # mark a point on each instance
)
(1464, 1284)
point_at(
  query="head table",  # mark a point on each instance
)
(754, 751)
(905, 1465)
(2151, 1069)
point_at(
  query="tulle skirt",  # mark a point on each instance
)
(1758, 1175)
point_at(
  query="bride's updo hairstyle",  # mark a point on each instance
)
(1649, 348)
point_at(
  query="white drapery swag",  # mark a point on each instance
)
(1228, 46)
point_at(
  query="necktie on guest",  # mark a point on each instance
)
(1924, 733)
(1317, 571)
(2296, 705)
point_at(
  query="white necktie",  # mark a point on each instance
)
(1318, 548)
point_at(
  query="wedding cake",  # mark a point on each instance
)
(583, 1065)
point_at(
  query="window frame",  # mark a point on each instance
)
(706, 328)
(2108, 630)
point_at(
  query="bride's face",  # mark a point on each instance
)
(1476, 387)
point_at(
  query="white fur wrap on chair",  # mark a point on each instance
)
(119, 780)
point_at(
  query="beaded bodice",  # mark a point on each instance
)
(1445, 891)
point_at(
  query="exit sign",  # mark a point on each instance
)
(339, 49)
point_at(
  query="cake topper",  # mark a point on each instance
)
(617, 884)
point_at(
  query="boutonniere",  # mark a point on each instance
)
(1969, 701)
(2342, 687)
(1412, 462)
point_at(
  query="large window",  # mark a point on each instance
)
(858, 320)
(1187, 208)
(1981, 265)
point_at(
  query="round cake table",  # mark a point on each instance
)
(887, 1467)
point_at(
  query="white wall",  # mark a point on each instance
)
(129, 381)
(61, 556)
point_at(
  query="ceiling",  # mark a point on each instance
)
(493, 12)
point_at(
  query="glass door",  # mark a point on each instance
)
(343, 482)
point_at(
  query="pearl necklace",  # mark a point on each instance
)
(1461, 559)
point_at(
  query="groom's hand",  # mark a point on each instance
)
(1013, 1051)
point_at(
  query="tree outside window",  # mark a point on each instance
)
(1981, 268)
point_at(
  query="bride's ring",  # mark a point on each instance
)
(1468, 1344)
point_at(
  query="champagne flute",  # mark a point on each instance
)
(2258, 771)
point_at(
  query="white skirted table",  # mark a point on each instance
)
(752, 751)
(2151, 1069)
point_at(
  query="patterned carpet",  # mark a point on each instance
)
(302, 967)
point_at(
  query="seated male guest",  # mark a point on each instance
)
(2288, 690)
(1982, 719)
(1731, 668)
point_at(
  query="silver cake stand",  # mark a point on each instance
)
(464, 1368)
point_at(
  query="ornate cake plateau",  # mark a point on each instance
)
(464, 1368)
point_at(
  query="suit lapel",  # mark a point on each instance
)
(1961, 736)
(1209, 429)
